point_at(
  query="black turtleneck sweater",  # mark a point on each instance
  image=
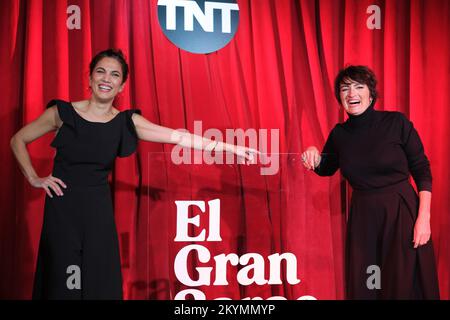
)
(376, 149)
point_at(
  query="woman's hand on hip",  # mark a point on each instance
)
(48, 183)
(311, 158)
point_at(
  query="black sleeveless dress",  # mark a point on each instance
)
(377, 152)
(78, 254)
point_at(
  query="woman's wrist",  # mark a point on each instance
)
(219, 146)
(424, 214)
(424, 204)
(32, 178)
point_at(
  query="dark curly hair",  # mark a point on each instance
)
(110, 53)
(361, 74)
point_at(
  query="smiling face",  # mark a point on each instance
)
(355, 96)
(106, 79)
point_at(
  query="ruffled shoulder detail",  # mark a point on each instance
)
(65, 111)
(129, 138)
(68, 131)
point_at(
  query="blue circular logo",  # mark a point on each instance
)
(199, 26)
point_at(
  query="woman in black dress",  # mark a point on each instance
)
(78, 252)
(388, 229)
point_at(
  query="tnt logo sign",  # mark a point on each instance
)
(199, 26)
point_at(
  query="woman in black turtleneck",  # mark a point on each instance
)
(389, 254)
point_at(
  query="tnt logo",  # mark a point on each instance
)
(199, 26)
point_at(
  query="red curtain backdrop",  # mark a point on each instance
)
(277, 73)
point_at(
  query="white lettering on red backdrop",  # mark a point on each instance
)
(252, 265)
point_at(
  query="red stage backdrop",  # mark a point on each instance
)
(277, 73)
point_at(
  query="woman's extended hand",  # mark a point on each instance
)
(311, 158)
(248, 154)
(422, 230)
(48, 183)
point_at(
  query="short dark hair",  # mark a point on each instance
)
(361, 74)
(110, 53)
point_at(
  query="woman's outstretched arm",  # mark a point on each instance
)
(149, 131)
